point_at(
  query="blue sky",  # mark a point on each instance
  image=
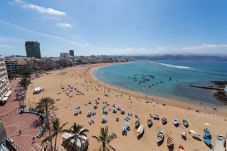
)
(124, 27)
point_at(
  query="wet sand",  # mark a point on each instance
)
(81, 78)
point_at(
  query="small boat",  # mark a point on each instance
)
(149, 123)
(137, 124)
(127, 125)
(89, 114)
(95, 106)
(207, 137)
(103, 119)
(185, 123)
(105, 110)
(114, 110)
(122, 111)
(176, 122)
(183, 135)
(155, 117)
(160, 137)
(169, 141)
(219, 144)
(124, 130)
(127, 118)
(140, 131)
(195, 135)
(181, 148)
(164, 121)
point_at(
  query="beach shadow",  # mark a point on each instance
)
(2, 103)
(171, 148)
(161, 142)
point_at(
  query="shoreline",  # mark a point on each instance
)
(88, 89)
(193, 106)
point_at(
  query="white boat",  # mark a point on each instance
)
(219, 144)
(195, 134)
(160, 136)
(140, 131)
(183, 135)
(176, 122)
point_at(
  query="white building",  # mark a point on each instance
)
(4, 82)
(65, 59)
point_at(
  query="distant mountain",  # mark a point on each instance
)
(180, 57)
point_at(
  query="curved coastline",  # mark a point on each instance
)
(196, 106)
(81, 78)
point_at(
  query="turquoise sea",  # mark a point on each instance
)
(166, 78)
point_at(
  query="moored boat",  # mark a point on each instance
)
(195, 135)
(140, 131)
(219, 144)
(183, 135)
(176, 122)
(137, 124)
(164, 121)
(181, 148)
(149, 123)
(207, 137)
(160, 136)
(185, 123)
(169, 141)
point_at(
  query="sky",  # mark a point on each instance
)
(114, 27)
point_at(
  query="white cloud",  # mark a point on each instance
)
(43, 34)
(64, 25)
(88, 44)
(203, 49)
(40, 9)
(206, 47)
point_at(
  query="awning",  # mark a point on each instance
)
(5, 99)
(8, 93)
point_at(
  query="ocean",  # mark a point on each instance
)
(166, 78)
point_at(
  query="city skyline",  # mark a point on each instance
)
(116, 27)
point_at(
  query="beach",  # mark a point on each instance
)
(82, 78)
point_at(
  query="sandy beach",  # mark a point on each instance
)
(81, 78)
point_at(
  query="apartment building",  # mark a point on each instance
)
(4, 82)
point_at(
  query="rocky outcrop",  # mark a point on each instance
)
(218, 86)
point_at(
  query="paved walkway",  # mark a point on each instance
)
(13, 122)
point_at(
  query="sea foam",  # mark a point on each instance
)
(173, 66)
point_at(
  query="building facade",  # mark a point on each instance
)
(71, 52)
(66, 59)
(4, 82)
(33, 49)
(15, 66)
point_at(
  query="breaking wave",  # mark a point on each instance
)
(173, 66)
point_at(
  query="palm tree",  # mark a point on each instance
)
(56, 129)
(26, 74)
(78, 133)
(24, 82)
(105, 139)
(45, 104)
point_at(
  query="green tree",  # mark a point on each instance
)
(56, 129)
(45, 105)
(78, 133)
(104, 138)
(26, 74)
(24, 82)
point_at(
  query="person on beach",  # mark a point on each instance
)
(19, 132)
(33, 140)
